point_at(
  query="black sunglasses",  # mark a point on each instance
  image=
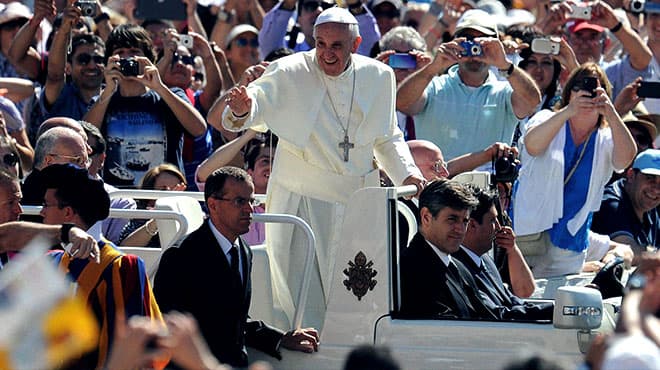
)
(10, 159)
(243, 42)
(84, 59)
(185, 59)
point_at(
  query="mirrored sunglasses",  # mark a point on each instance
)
(243, 42)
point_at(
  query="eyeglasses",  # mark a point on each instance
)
(10, 159)
(440, 166)
(243, 42)
(185, 59)
(75, 159)
(83, 59)
(240, 202)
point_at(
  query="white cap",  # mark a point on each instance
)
(479, 20)
(335, 15)
(14, 10)
(237, 30)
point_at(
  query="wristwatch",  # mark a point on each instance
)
(507, 72)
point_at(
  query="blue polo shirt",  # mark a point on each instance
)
(462, 119)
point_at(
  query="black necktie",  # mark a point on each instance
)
(462, 302)
(233, 252)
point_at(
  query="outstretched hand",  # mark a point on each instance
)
(239, 101)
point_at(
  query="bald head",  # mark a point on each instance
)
(428, 157)
(60, 145)
(62, 122)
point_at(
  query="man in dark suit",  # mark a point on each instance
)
(209, 276)
(433, 283)
(484, 228)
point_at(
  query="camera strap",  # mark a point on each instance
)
(577, 163)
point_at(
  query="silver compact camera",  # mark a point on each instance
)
(544, 45)
(580, 12)
(186, 40)
(87, 8)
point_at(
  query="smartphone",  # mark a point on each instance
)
(648, 89)
(402, 61)
(544, 45)
(590, 84)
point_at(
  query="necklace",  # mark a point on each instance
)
(345, 144)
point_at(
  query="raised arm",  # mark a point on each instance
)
(214, 81)
(411, 93)
(526, 95)
(57, 56)
(223, 155)
(639, 52)
(23, 56)
(112, 77)
(191, 120)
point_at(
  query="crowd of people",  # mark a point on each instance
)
(550, 97)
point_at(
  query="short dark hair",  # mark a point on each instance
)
(164, 22)
(84, 39)
(215, 183)
(130, 36)
(486, 200)
(443, 193)
(368, 357)
(93, 131)
(254, 149)
(74, 188)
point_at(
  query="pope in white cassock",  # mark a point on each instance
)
(333, 112)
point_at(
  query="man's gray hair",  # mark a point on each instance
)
(353, 30)
(403, 34)
(47, 142)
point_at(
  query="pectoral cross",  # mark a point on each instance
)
(346, 145)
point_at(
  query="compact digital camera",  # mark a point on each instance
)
(637, 6)
(506, 168)
(580, 12)
(544, 45)
(186, 40)
(471, 49)
(129, 67)
(87, 8)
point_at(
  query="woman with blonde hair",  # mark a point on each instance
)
(568, 157)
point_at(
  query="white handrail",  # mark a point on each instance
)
(309, 258)
(406, 190)
(156, 194)
(135, 213)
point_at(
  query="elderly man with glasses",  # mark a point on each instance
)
(58, 145)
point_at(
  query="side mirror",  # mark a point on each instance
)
(577, 308)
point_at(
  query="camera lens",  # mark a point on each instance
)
(476, 50)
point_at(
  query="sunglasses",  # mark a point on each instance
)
(243, 42)
(84, 59)
(185, 59)
(10, 159)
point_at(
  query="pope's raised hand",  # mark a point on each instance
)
(239, 101)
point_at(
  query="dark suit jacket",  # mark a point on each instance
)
(429, 290)
(196, 278)
(490, 283)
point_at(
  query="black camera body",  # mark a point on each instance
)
(129, 67)
(506, 168)
(87, 8)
